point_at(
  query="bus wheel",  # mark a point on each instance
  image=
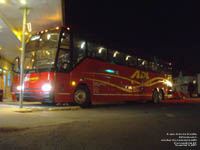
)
(82, 96)
(157, 97)
(162, 95)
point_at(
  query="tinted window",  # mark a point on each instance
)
(139, 62)
(131, 60)
(79, 50)
(97, 51)
(145, 64)
(92, 48)
(101, 53)
(116, 57)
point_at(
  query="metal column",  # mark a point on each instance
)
(25, 13)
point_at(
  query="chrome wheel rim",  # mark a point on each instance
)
(80, 96)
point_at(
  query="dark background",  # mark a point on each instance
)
(167, 29)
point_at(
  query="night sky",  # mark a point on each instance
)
(167, 29)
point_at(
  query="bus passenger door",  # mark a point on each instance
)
(63, 68)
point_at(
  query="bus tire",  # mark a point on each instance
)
(157, 97)
(162, 94)
(82, 96)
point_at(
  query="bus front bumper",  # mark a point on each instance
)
(44, 97)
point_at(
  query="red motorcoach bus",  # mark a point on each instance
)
(63, 68)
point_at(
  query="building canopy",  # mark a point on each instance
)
(43, 14)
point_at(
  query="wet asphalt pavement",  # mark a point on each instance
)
(139, 126)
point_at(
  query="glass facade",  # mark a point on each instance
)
(5, 78)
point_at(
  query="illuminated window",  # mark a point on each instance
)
(82, 45)
(100, 50)
(115, 54)
(128, 57)
(117, 57)
(79, 49)
(101, 53)
(131, 60)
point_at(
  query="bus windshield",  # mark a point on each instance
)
(41, 51)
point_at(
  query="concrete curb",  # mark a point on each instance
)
(13, 106)
(28, 110)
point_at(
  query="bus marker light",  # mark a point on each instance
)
(130, 87)
(110, 71)
(68, 28)
(73, 83)
(19, 88)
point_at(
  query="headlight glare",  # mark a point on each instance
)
(19, 88)
(168, 83)
(46, 87)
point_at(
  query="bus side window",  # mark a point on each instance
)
(139, 62)
(145, 64)
(131, 60)
(154, 67)
(79, 50)
(92, 50)
(116, 57)
(110, 56)
(101, 53)
(151, 66)
(97, 51)
(121, 59)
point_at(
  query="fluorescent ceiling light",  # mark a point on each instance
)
(23, 2)
(2, 1)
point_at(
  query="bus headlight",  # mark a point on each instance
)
(19, 88)
(168, 83)
(46, 87)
